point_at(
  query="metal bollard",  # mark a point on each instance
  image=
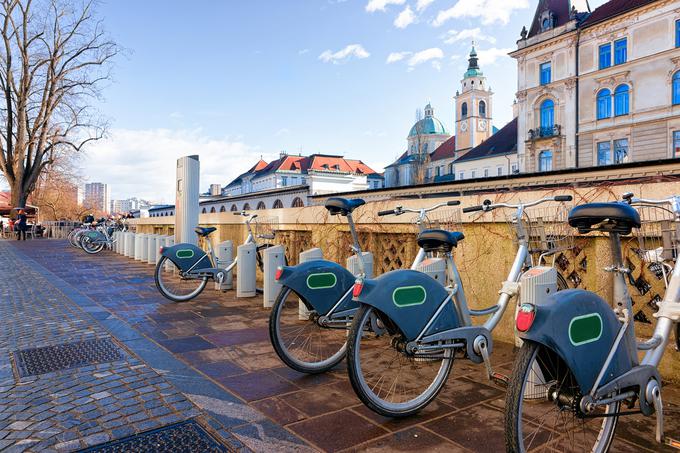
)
(246, 276)
(225, 256)
(308, 255)
(273, 258)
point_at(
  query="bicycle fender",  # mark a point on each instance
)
(185, 256)
(410, 299)
(580, 327)
(321, 283)
(96, 237)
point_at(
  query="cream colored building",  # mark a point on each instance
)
(597, 88)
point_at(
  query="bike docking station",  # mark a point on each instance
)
(246, 256)
(274, 257)
(225, 256)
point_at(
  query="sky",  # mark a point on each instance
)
(232, 81)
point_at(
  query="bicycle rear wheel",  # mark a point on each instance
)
(89, 246)
(388, 380)
(541, 408)
(175, 286)
(299, 340)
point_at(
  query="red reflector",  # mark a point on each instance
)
(525, 317)
(160, 250)
(279, 273)
(358, 287)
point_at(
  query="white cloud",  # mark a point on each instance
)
(380, 5)
(350, 51)
(142, 162)
(303, 51)
(282, 131)
(490, 11)
(423, 4)
(470, 34)
(490, 56)
(397, 56)
(405, 18)
(426, 55)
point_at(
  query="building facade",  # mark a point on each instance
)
(98, 196)
(598, 88)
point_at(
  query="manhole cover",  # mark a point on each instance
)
(182, 437)
(30, 362)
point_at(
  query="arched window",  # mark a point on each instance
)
(621, 100)
(482, 109)
(212, 210)
(261, 205)
(676, 88)
(246, 207)
(547, 114)
(463, 110)
(604, 104)
(223, 209)
(278, 204)
(545, 160)
(297, 203)
(203, 211)
(234, 208)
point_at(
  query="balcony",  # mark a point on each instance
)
(545, 132)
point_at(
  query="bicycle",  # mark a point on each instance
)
(191, 267)
(310, 317)
(93, 241)
(408, 328)
(579, 364)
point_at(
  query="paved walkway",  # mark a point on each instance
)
(211, 360)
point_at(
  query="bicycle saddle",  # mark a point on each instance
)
(608, 217)
(343, 206)
(201, 231)
(431, 240)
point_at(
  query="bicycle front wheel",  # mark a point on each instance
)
(299, 340)
(542, 408)
(174, 285)
(384, 376)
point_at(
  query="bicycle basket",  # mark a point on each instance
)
(446, 219)
(658, 235)
(546, 227)
(265, 227)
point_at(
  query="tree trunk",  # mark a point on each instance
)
(18, 195)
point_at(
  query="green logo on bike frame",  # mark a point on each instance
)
(407, 296)
(185, 253)
(585, 329)
(322, 280)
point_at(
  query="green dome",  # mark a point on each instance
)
(428, 126)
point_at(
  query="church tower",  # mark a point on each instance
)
(473, 108)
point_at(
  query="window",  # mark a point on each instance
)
(514, 168)
(621, 100)
(212, 210)
(620, 151)
(473, 173)
(677, 33)
(278, 204)
(605, 55)
(547, 114)
(499, 171)
(676, 143)
(261, 205)
(545, 74)
(425, 147)
(437, 172)
(604, 104)
(604, 154)
(297, 203)
(452, 169)
(223, 209)
(545, 161)
(620, 51)
(482, 109)
(303, 181)
(463, 110)
(676, 88)
(461, 175)
(486, 172)
(246, 207)
(234, 208)
(284, 180)
(203, 211)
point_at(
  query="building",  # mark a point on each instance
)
(98, 196)
(598, 88)
(495, 156)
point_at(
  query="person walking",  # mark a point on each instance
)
(22, 226)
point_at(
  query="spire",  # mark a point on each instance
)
(473, 64)
(429, 111)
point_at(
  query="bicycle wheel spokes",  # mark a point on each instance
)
(306, 345)
(173, 284)
(386, 378)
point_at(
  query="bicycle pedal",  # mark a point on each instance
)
(499, 379)
(672, 443)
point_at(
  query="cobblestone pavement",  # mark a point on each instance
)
(215, 351)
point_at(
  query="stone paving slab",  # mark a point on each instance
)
(215, 351)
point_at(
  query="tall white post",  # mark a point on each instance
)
(186, 199)
(246, 274)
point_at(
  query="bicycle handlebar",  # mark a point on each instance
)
(400, 210)
(388, 212)
(487, 206)
(674, 201)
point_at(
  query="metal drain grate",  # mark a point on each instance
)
(182, 437)
(30, 362)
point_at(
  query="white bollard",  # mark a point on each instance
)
(138, 246)
(119, 241)
(225, 256)
(308, 255)
(144, 248)
(169, 242)
(273, 258)
(246, 276)
(130, 250)
(151, 248)
(353, 264)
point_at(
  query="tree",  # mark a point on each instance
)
(54, 59)
(422, 155)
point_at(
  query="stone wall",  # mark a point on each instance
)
(484, 257)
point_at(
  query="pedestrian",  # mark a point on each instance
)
(22, 226)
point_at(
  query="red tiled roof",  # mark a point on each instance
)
(445, 151)
(258, 166)
(613, 8)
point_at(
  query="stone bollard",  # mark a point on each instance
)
(308, 255)
(144, 248)
(152, 249)
(273, 258)
(246, 276)
(130, 250)
(225, 256)
(139, 244)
